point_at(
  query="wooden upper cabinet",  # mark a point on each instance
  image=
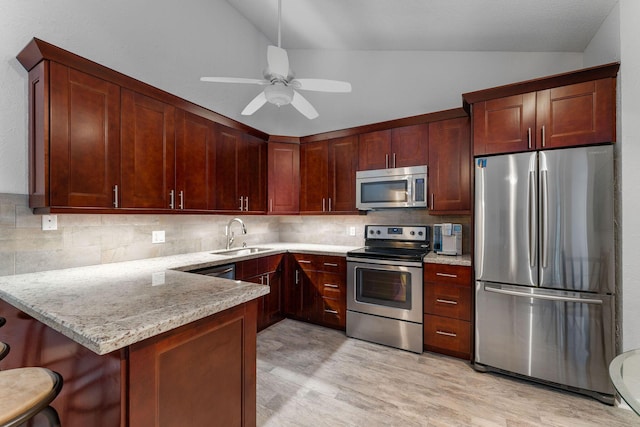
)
(283, 178)
(449, 183)
(195, 162)
(409, 146)
(394, 148)
(314, 176)
(148, 152)
(84, 138)
(578, 114)
(504, 125)
(328, 175)
(374, 150)
(252, 174)
(565, 110)
(228, 143)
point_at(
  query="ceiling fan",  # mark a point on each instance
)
(281, 83)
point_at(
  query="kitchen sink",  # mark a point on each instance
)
(241, 251)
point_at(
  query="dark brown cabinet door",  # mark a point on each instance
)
(409, 146)
(148, 152)
(195, 162)
(252, 174)
(228, 143)
(449, 183)
(314, 176)
(284, 178)
(577, 114)
(343, 163)
(374, 149)
(84, 139)
(504, 125)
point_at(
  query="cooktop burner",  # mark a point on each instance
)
(408, 242)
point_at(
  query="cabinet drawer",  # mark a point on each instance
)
(328, 282)
(308, 262)
(333, 312)
(447, 336)
(450, 274)
(333, 264)
(448, 300)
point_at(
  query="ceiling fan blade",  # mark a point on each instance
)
(322, 85)
(301, 104)
(278, 60)
(233, 80)
(255, 104)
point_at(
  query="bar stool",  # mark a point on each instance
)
(25, 392)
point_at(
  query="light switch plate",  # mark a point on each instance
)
(49, 222)
(157, 236)
(352, 231)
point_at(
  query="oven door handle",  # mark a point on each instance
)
(389, 262)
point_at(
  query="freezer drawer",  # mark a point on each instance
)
(562, 337)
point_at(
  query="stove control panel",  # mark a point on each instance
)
(397, 232)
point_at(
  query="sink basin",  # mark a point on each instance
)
(241, 251)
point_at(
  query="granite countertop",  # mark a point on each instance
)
(110, 306)
(434, 258)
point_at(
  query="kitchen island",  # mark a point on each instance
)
(138, 343)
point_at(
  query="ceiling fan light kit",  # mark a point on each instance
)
(279, 82)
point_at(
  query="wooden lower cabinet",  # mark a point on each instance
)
(447, 310)
(315, 290)
(266, 271)
(200, 374)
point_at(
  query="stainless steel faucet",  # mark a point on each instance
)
(229, 233)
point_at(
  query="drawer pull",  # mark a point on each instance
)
(326, 310)
(448, 334)
(331, 285)
(330, 264)
(447, 275)
(304, 261)
(446, 301)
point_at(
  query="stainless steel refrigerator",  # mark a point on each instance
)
(544, 267)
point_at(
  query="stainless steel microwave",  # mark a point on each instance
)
(392, 188)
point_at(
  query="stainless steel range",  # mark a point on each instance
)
(384, 286)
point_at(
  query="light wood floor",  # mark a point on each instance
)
(314, 376)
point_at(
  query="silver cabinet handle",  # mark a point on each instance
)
(268, 280)
(529, 137)
(323, 205)
(181, 194)
(386, 161)
(447, 301)
(447, 334)
(330, 264)
(171, 199)
(304, 261)
(246, 203)
(447, 275)
(329, 204)
(115, 196)
(432, 201)
(326, 310)
(331, 285)
(270, 205)
(262, 280)
(394, 160)
(297, 276)
(543, 137)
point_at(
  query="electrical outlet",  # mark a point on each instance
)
(49, 222)
(157, 236)
(352, 231)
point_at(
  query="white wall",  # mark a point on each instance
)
(629, 138)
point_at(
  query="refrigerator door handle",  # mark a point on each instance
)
(532, 219)
(544, 184)
(543, 296)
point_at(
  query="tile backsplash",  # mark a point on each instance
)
(99, 239)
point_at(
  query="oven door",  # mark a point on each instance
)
(390, 289)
